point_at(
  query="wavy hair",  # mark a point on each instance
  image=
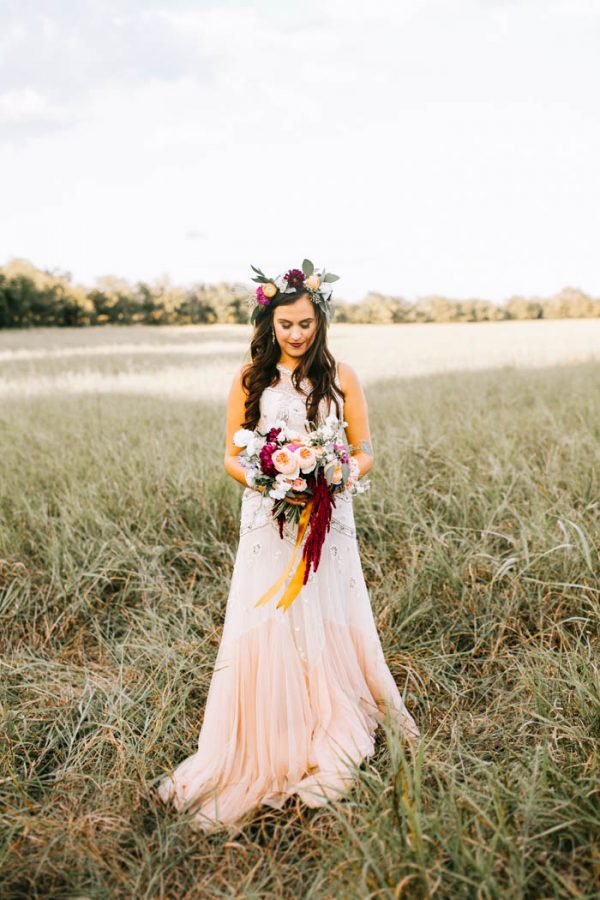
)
(317, 364)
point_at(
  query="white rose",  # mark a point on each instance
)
(278, 493)
(255, 444)
(241, 437)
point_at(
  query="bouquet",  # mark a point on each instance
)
(283, 462)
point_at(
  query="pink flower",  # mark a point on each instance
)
(306, 458)
(298, 484)
(260, 296)
(344, 452)
(285, 462)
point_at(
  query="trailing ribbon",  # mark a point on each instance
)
(297, 578)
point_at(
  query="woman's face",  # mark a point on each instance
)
(295, 326)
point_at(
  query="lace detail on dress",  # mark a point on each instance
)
(284, 401)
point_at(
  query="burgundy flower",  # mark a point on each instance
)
(295, 278)
(273, 435)
(266, 461)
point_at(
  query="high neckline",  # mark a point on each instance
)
(285, 368)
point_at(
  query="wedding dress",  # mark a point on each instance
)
(295, 696)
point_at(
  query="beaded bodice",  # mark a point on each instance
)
(284, 401)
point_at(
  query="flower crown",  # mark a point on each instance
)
(316, 282)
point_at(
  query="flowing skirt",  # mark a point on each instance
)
(295, 696)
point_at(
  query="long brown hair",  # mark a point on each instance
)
(317, 364)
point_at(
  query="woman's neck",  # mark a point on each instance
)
(289, 362)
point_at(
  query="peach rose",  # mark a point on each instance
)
(269, 289)
(298, 484)
(285, 462)
(313, 282)
(306, 458)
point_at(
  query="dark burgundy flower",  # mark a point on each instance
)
(266, 461)
(272, 435)
(295, 278)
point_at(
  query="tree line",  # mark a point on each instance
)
(38, 297)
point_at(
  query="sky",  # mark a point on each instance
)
(412, 147)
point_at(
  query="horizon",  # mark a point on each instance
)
(58, 273)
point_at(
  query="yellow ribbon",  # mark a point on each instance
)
(297, 579)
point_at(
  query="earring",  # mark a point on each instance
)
(273, 335)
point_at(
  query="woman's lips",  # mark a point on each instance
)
(296, 345)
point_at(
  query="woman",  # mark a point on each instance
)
(296, 695)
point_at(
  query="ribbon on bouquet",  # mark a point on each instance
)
(297, 578)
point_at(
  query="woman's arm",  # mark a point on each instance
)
(236, 413)
(357, 416)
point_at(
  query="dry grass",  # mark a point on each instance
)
(479, 540)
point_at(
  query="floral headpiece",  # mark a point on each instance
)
(316, 282)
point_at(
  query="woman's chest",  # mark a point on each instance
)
(284, 402)
(280, 402)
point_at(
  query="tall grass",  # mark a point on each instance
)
(479, 542)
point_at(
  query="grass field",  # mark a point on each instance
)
(480, 546)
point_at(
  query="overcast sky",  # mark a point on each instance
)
(412, 146)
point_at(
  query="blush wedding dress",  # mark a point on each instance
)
(295, 696)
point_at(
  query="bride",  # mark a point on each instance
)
(296, 695)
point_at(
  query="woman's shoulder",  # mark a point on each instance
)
(347, 376)
(237, 383)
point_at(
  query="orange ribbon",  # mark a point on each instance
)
(297, 578)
